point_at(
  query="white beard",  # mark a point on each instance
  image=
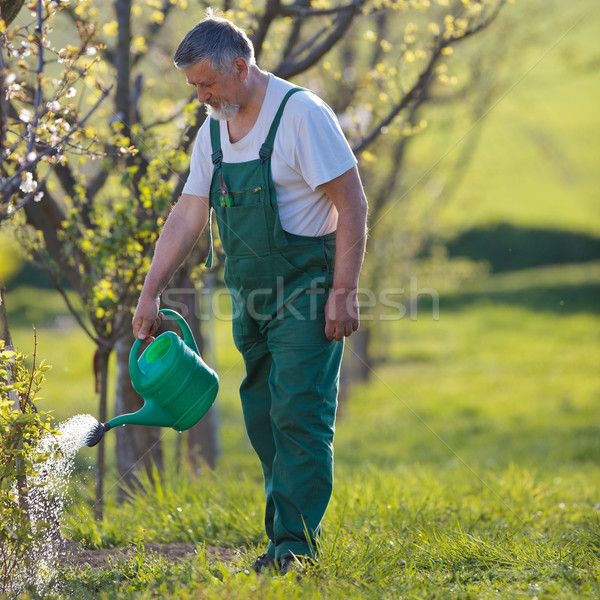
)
(226, 112)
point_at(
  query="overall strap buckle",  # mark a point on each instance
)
(217, 158)
(215, 141)
(265, 152)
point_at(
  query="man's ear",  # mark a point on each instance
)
(240, 66)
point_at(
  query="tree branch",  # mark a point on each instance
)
(345, 16)
(299, 9)
(10, 185)
(272, 9)
(123, 63)
(153, 29)
(9, 9)
(61, 290)
(409, 97)
(296, 28)
(47, 217)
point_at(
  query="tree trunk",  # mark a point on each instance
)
(4, 330)
(137, 445)
(102, 356)
(356, 366)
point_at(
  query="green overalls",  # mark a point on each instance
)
(279, 283)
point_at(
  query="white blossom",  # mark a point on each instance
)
(38, 196)
(54, 106)
(31, 156)
(10, 78)
(71, 92)
(28, 184)
(91, 51)
(25, 115)
(12, 89)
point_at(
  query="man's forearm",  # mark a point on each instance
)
(341, 310)
(350, 249)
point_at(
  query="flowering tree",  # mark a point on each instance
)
(49, 96)
(40, 124)
(101, 200)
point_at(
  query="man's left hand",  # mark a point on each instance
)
(341, 314)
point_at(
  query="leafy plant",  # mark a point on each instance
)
(21, 427)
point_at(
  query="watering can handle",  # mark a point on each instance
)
(133, 358)
(188, 339)
(188, 336)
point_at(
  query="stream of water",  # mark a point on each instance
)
(48, 494)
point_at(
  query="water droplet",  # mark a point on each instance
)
(48, 494)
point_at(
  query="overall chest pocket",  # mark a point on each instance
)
(244, 226)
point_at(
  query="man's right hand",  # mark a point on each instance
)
(146, 319)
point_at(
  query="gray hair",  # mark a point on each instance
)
(216, 39)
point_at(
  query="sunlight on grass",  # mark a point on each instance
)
(466, 466)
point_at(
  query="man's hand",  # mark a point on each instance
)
(341, 314)
(146, 319)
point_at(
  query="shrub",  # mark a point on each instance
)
(21, 427)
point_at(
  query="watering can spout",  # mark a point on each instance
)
(149, 414)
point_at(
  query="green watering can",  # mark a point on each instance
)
(177, 386)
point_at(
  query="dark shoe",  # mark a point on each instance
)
(263, 563)
(290, 563)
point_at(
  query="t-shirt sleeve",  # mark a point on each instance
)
(322, 152)
(199, 179)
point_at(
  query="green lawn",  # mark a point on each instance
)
(467, 467)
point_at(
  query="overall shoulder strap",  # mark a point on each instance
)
(267, 148)
(217, 160)
(215, 140)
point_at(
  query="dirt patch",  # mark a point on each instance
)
(73, 554)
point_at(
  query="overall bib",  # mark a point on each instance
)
(279, 283)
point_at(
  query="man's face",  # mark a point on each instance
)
(217, 91)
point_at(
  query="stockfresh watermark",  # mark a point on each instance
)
(388, 304)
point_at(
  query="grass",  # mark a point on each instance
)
(467, 467)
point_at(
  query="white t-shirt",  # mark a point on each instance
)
(309, 150)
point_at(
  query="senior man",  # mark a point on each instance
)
(274, 166)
